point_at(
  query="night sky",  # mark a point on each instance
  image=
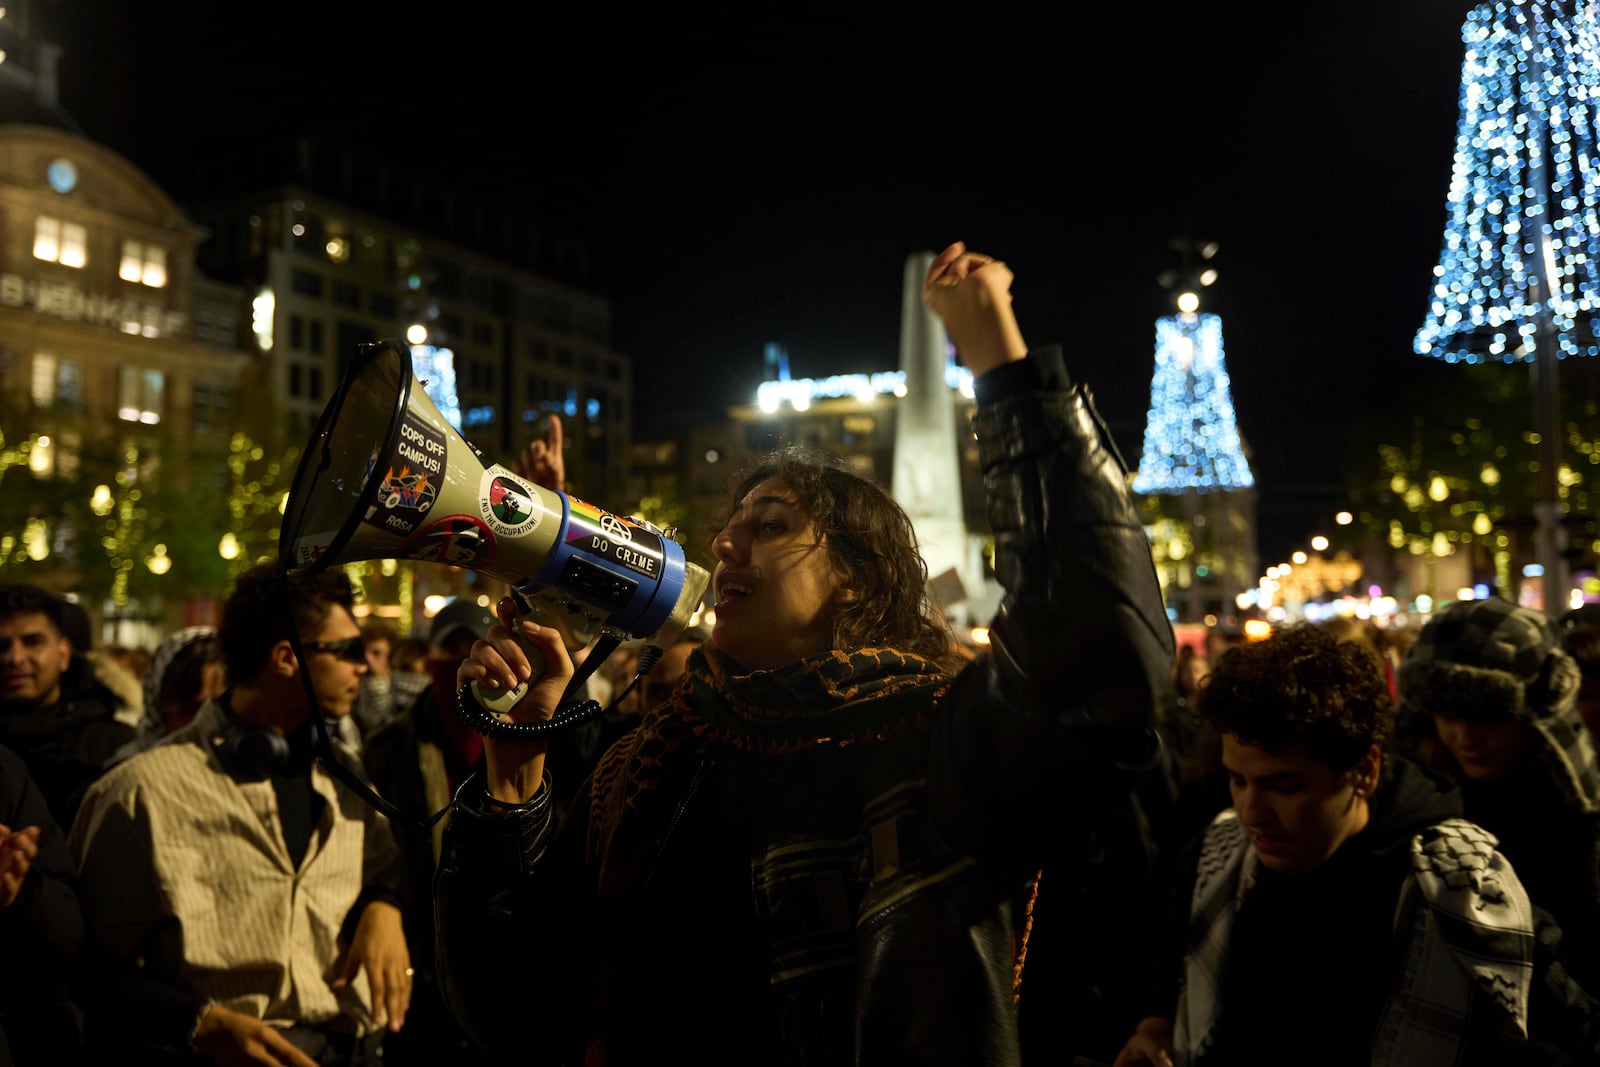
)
(757, 180)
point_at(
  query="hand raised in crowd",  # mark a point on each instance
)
(515, 770)
(1151, 1044)
(971, 294)
(379, 946)
(545, 462)
(229, 1037)
(16, 856)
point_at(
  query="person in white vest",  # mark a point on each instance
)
(241, 906)
(1342, 911)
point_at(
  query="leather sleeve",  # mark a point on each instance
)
(1066, 702)
(506, 943)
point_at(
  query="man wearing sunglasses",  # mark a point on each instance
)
(241, 907)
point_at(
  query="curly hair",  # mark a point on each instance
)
(258, 613)
(1301, 687)
(869, 537)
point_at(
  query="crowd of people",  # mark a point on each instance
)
(820, 832)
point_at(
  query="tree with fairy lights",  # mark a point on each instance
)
(1193, 472)
(1518, 278)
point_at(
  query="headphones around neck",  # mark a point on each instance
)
(252, 753)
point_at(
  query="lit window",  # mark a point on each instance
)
(132, 262)
(140, 394)
(54, 241)
(47, 239)
(74, 245)
(143, 263)
(155, 267)
(56, 380)
(44, 379)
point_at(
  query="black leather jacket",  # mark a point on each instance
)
(760, 935)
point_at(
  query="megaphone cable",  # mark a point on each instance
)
(568, 716)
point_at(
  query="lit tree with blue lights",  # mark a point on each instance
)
(1191, 439)
(1523, 191)
(1518, 279)
(1193, 456)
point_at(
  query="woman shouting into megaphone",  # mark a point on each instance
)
(822, 848)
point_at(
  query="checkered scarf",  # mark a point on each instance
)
(831, 700)
(1473, 932)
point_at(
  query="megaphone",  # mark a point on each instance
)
(387, 477)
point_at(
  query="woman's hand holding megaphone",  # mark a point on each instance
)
(499, 662)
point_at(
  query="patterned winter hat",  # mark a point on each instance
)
(1490, 660)
(1486, 660)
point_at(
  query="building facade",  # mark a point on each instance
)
(323, 277)
(112, 349)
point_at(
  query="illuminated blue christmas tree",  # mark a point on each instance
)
(1191, 440)
(1519, 276)
(1522, 247)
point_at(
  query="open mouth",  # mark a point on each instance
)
(731, 589)
(1271, 846)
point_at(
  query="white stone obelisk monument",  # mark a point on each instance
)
(927, 473)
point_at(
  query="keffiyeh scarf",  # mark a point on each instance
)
(831, 700)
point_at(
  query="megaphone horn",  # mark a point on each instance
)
(387, 477)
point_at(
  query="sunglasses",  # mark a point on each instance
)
(351, 649)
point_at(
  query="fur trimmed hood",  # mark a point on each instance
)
(126, 689)
(1478, 694)
(1490, 660)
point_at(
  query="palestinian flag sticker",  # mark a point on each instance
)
(506, 504)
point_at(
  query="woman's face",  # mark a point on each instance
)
(775, 586)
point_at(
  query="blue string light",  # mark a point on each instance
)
(1524, 188)
(1191, 441)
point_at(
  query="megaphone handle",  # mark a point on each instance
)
(501, 701)
(486, 714)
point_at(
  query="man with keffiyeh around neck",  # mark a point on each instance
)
(1342, 911)
(823, 848)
